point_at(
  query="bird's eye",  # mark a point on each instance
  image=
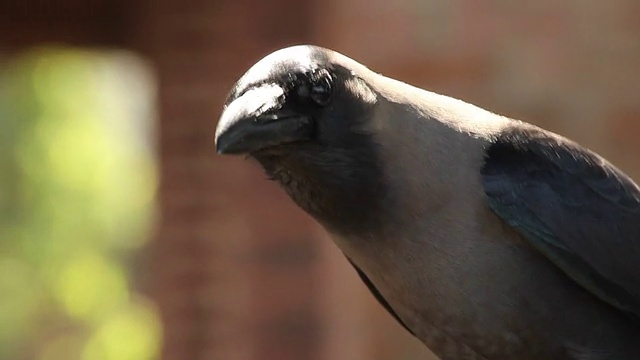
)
(321, 87)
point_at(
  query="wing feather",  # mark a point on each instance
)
(573, 206)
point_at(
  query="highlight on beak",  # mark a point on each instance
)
(256, 120)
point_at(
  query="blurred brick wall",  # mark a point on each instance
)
(87, 23)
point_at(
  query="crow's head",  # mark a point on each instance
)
(307, 115)
(297, 98)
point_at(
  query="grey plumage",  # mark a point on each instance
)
(485, 237)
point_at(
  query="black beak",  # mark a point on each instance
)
(256, 120)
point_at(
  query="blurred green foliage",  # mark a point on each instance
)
(77, 187)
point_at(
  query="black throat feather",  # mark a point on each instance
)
(341, 187)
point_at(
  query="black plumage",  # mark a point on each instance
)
(573, 206)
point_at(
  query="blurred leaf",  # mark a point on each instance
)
(89, 286)
(18, 304)
(62, 348)
(131, 334)
(77, 194)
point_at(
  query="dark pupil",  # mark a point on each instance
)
(321, 89)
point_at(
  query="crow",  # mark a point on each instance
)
(484, 236)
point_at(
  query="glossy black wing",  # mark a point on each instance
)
(573, 206)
